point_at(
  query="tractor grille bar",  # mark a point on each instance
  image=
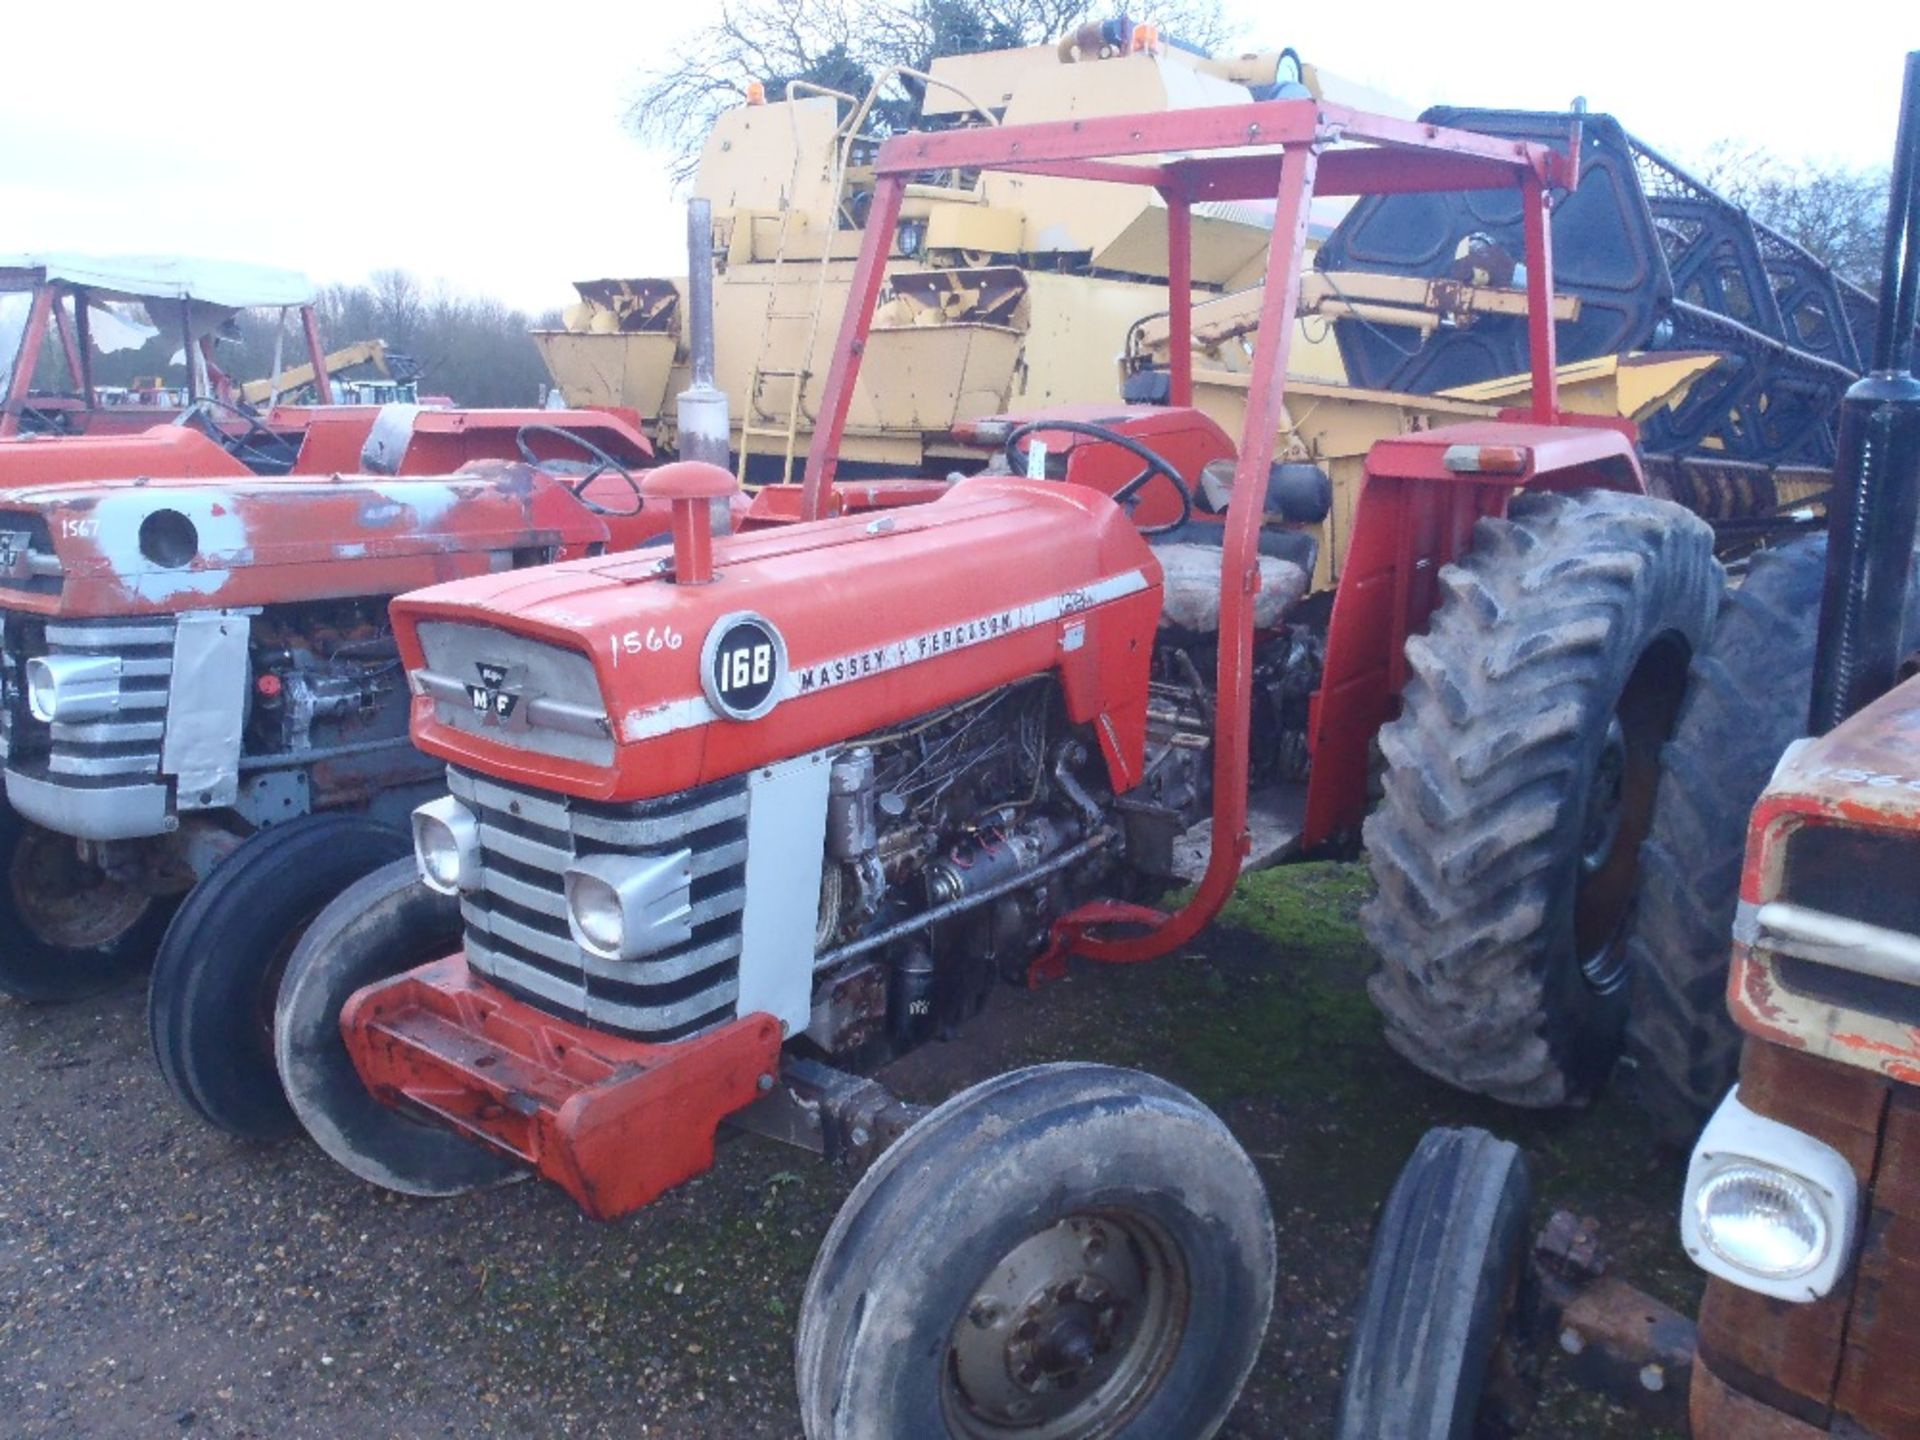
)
(516, 920)
(126, 742)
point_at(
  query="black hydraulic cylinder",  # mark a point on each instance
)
(1875, 500)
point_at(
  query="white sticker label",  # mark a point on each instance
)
(1037, 460)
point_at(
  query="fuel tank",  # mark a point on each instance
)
(605, 679)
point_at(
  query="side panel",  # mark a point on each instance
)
(207, 708)
(786, 848)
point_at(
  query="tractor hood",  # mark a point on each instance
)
(606, 679)
(136, 547)
(1826, 952)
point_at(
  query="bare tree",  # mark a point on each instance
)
(1838, 214)
(846, 45)
(474, 348)
(399, 310)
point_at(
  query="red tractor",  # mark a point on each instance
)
(725, 828)
(198, 676)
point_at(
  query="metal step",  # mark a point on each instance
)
(1276, 814)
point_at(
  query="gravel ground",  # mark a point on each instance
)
(158, 1279)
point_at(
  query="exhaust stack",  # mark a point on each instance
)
(1872, 508)
(702, 408)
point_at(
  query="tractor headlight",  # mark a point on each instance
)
(446, 844)
(66, 688)
(1768, 1208)
(620, 907)
(1763, 1221)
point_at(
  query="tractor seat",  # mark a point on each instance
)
(1191, 595)
(1296, 547)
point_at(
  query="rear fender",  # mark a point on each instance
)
(1416, 513)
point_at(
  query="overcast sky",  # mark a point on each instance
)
(482, 144)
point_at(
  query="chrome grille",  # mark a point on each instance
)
(516, 920)
(128, 741)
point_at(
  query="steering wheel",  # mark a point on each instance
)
(602, 463)
(1158, 468)
(200, 414)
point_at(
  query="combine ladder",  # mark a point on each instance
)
(800, 371)
(787, 430)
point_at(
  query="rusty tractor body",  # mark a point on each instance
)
(1827, 1111)
(817, 787)
(185, 660)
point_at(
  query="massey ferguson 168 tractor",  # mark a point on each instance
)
(1802, 1199)
(724, 828)
(189, 662)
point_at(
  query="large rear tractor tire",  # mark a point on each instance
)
(67, 929)
(1746, 702)
(210, 1004)
(1442, 1325)
(387, 923)
(1519, 784)
(1070, 1251)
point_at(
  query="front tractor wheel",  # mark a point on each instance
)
(388, 923)
(1070, 1252)
(1519, 784)
(215, 980)
(68, 929)
(1441, 1348)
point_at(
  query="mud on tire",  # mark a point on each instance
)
(1519, 783)
(1747, 700)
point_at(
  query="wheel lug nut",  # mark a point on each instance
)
(1027, 1331)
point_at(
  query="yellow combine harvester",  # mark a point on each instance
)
(1010, 291)
(1006, 291)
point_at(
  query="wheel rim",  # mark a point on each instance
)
(69, 903)
(1617, 812)
(1070, 1334)
(1606, 795)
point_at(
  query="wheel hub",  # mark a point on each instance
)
(1606, 796)
(1068, 1334)
(68, 902)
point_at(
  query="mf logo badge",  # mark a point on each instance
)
(743, 665)
(493, 699)
(14, 559)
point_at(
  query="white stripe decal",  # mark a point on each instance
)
(693, 711)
